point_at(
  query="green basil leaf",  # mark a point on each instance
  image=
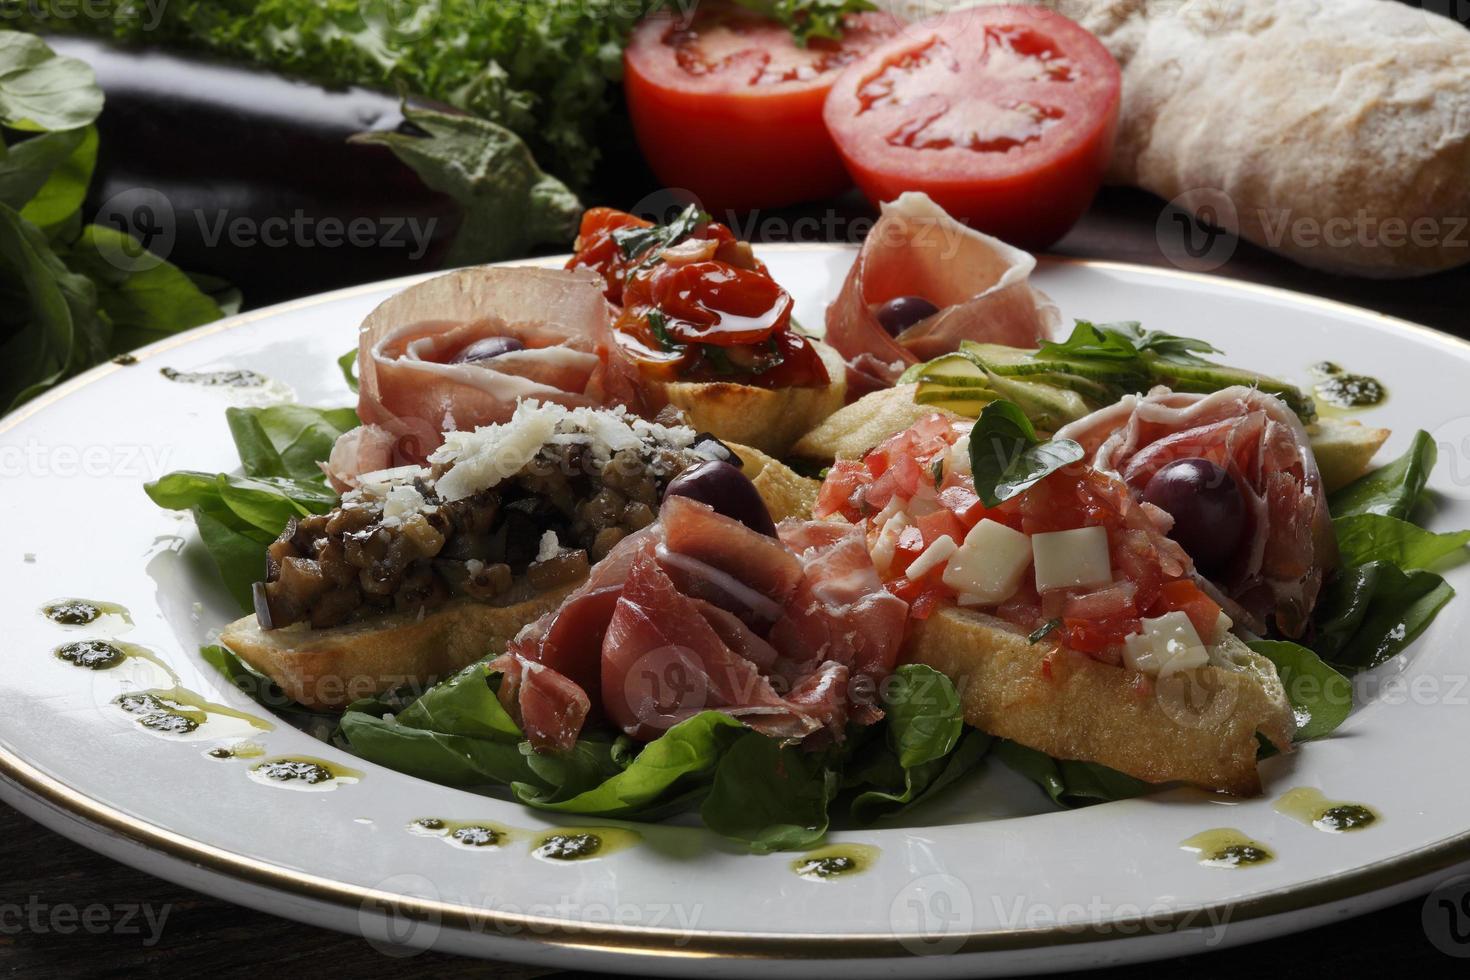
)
(1007, 458)
(348, 363)
(1390, 490)
(1321, 698)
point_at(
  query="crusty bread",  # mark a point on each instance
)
(766, 419)
(786, 492)
(1336, 134)
(1344, 449)
(1196, 727)
(852, 430)
(330, 668)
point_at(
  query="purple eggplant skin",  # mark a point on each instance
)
(248, 175)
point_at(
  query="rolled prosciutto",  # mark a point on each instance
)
(792, 635)
(972, 287)
(459, 351)
(1192, 456)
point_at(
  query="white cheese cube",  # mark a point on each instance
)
(931, 557)
(987, 569)
(1071, 558)
(959, 455)
(1168, 644)
(887, 541)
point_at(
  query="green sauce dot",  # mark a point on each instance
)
(72, 612)
(91, 654)
(1241, 854)
(476, 836)
(1346, 816)
(568, 847)
(289, 771)
(429, 823)
(827, 867)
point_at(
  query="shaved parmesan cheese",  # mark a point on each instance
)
(987, 569)
(401, 501)
(550, 547)
(931, 557)
(1065, 559)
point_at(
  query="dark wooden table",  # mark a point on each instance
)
(202, 935)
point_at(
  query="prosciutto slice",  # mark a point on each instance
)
(1278, 573)
(979, 284)
(411, 393)
(792, 635)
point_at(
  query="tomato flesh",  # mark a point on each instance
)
(725, 105)
(1004, 115)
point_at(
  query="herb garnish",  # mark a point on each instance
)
(1006, 456)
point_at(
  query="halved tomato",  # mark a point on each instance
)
(1003, 115)
(725, 105)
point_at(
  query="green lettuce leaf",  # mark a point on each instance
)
(510, 204)
(1320, 697)
(1006, 456)
(808, 19)
(1069, 783)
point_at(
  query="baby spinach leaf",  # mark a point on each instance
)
(1320, 697)
(1390, 490)
(1007, 458)
(1069, 783)
(348, 365)
(1364, 538)
(287, 440)
(41, 91)
(769, 796)
(1370, 612)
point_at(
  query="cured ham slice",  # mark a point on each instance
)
(410, 389)
(979, 284)
(699, 612)
(1289, 547)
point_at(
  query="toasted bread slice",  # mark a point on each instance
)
(786, 492)
(1195, 727)
(1344, 449)
(763, 418)
(331, 668)
(852, 430)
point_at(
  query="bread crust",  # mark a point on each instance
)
(768, 419)
(330, 668)
(1198, 727)
(786, 492)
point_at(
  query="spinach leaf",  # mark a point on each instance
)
(46, 176)
(1007, 458)
(41, 91)
(769, 796)
(893, 787)
(510, 204)
(144, 297)
(238, 517)
(348, 365)
(1364, 538)
(287, 440)
(1371, 612)
(1069, 783)
(1320, 697)
(265, 692)
(681, 758)
(1390, 490)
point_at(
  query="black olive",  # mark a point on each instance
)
(727, 490)
(902, 312)
(1208, 510)
(262, 606)
(487, 348)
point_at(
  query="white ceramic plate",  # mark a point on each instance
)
(988, 880)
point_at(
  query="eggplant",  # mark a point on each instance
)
(248, 175)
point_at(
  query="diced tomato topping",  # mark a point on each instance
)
(839, 491)
(1182, 595)
(925, 595)
(1099, 638)
(910, 546)
(937, 524)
